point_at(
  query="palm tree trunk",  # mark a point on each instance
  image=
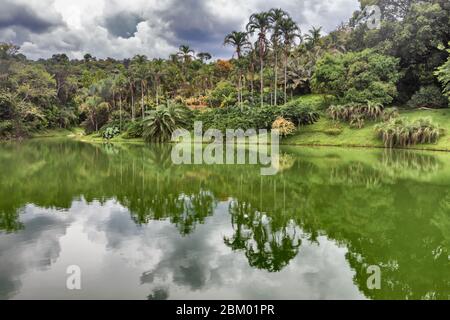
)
(252, 85)
(132, 103)
(261, 61)
(285, 78)
(276, 76)
(240, 90)
(142, 100)
(120, 112)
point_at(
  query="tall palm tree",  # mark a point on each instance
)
(289, 31)
(277, 16)
(186, 54)
(313, 38)
(158, 72)
(260, 22)
(119, 82)
(140, 70)
(204, 56)
(239, 40)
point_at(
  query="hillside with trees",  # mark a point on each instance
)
(351, 76)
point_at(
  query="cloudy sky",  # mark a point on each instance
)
(121, 29)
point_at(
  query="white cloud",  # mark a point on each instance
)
(155, 28)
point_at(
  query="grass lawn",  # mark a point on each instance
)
(324, 133)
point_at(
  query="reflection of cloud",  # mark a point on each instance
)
(120, 259)
(35, 247)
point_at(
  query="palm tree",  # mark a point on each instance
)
(260, 22)
(157, 69)
(186, 54)
(277, 16)
(119, 83)
(289, 31)
(313, 38)
(163, 121)
(239, 40)
(140, 70)
(204, 56)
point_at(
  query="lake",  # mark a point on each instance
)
(139, 227)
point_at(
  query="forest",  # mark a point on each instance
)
(279, 77)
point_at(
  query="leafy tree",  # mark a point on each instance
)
(357, 76)
(443, 74)
(204, 56)
(97, 112)
(223, 95)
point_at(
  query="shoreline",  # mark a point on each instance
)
(288, 144)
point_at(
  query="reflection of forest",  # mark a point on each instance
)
(392, 210)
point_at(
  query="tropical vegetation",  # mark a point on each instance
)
(359, 73)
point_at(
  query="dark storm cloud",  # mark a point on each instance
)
(123, 24)
(21, 16)
(192, 22)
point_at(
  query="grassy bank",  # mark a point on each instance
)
(323, 133)
(59, 133)
(327, 133)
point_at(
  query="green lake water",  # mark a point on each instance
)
(140, 227)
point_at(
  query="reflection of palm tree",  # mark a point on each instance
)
(9, 220)
(268, 244)
(197, 208)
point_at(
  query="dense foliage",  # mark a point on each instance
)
(256, 117)
(357, 76)
(404, 62)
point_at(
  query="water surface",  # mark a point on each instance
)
(142, 228)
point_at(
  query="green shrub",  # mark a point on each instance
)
(161, 122)
(333, 131)
(401, 132)
(428, 97)
(390, 113)
(6, 128)
(134, 130)
(356, 113)
(298, 114)
(255, 117)
(110, 132)
(223, 95)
